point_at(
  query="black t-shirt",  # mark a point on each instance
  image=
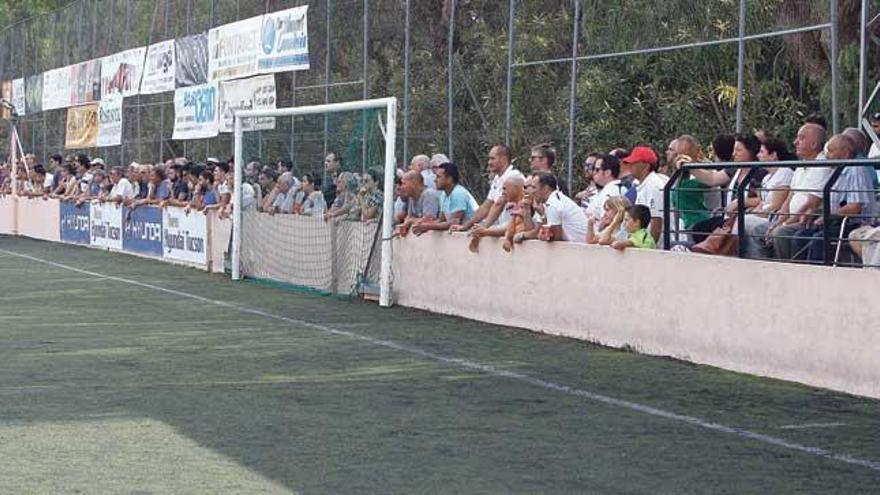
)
(180, 187)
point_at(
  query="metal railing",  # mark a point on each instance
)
(832, 243)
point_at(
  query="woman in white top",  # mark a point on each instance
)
(777, 182)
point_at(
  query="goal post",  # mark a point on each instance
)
(389, 132)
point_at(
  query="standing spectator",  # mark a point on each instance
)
(266, 182)
(611, 227)
(282, 198)
(122, 190)
(606, 172)
(490, 212)
(423, 204)
(346, 205)
(586, 195)
(224, 194)
(332, 169)
(637, 219)
(564, 220)
(511, 224)
(160, 189)
(541, 159)
(650, 186)
(371, 195)
(422, 165)
(457, 205)
(204, 195)
(438, 159)
(313, 199)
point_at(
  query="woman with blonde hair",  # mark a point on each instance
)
(610, 226)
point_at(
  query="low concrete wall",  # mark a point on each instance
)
(39, 218)
(813, 325)
(8, 205)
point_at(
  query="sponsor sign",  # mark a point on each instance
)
(82, 127)
(110, 121)
(121, 72)
(56, 88)
(75, 222)
(85, 83)
(195, 112)
(191, 61)
(159, 70)
(33, 97)
(284, 41)
(106, 225)
(142, 230)
(233, 49)
(185, 236)
(18, 96)
(256, 93)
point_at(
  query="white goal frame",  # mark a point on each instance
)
(390, 106)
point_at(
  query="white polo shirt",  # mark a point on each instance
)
(562, 210)
(597, 204)
(650, 193)
(122, 189)
(496, 188)
(807, 179)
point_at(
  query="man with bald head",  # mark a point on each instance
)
(851, 199)
(422, 204)
(804, 202)
(422, 165)
(512, 194)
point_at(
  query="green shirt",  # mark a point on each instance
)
(688, 199)
(642, 239)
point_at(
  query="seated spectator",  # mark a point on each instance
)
(689, 196)
(774, 190)
(346, 205)
(721, 150)
(865, 244)
(563, 218)
(423, 204)
(638, 218)
(490, 212)
(313, 203)
(852, 201)
(650, 186)
(371, 195)
(422, 165)
(611, 226)
(456, 203)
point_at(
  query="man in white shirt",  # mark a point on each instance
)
(606, 173)
(564, 219)
(122, 189)
(805, 199)
(490, 211)
(650, 186)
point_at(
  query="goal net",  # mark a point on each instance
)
(314, 196)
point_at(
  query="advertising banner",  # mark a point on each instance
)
(18, 96)
(121, 72)
(6, 94)
(142, 230)
(233, 49)
(74, 222)
(159, 69)
(82, 127)
(195, 112)
(284, 41)
(56, 88)
(85, 83)
(247, 94)
(191, 61)
(33, 93)
(185, 235)
(110, 121)
(106, 225)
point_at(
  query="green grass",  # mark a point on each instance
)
(112, 387)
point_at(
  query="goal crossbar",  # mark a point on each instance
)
(390, 107)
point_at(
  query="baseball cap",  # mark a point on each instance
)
(212, 160)
(97, 161)
(641, 154)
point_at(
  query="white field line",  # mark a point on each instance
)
(808, 426)
(493, 371)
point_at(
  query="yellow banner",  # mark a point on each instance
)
(82, 127)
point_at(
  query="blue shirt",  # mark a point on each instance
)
(210, 197)
(163, 191)
(458, 200)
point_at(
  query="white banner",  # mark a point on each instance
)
(56, 88)
(121, 72)
(159, 69)
(106, 225)
(233, 49)
(284, 41)
(185, 237)
(256, 93)
(18, 96)
(110, 121)
(195, 112)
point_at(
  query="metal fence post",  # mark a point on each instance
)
(366, 86)
(327, 77)
(835, 114)
(741, 66)
(511, 13)
(406, 69)
(450, 52)
(572, 111)
(863, 56)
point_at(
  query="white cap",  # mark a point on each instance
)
(97, 161)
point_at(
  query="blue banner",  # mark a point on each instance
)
(75, 222)
(142, 230)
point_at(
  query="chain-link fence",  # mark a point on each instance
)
(582, 75)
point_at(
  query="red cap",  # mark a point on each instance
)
(641, 154)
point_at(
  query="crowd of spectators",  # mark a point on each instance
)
(621, 205)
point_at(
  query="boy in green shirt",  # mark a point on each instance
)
(638, 217)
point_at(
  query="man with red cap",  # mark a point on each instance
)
(642, 162)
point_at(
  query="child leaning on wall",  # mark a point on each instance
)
(637, 219)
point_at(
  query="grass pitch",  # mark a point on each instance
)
(164, 379)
